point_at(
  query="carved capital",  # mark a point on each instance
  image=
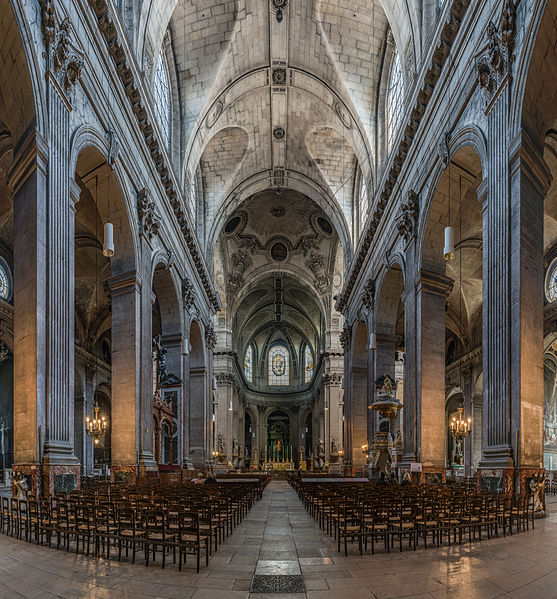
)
(149, 220)
(211, 337)
(65, 57)
(331, 379)
(345, 338)
(368, 296)
(407, 221)
(493, 62)
(188, 294)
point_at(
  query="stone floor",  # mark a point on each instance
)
(278, 537)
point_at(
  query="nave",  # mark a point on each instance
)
(278, 537)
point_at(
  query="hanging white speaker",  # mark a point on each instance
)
(373, 341)
(185, 346)
(108, 246)
(214, 384)
(448, 252)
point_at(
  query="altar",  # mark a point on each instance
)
(278, 466)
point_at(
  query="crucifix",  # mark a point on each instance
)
(3, 429)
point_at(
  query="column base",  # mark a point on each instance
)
(60, 478)
(148, 468)
(123, 474)
(58, 453)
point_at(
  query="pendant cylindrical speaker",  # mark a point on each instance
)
(373, 341)
(448, 252)
(108, 246)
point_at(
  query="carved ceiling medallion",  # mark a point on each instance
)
(279, 252)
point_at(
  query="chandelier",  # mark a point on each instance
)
(460, 428)
(96, 427)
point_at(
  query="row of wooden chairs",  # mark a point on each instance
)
(183, 522)
(372, 515)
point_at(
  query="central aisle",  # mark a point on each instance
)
(281, 535)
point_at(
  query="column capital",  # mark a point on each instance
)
(525, 156)
(30, 153)
(435, 283)
(124, 283)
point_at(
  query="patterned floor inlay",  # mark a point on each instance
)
(277, 584)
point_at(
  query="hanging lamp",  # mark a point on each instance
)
(108, 244)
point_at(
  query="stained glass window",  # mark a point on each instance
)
(308, 361)
(363, 200)
(5, 281)
(395, 95)
(162, 98)
(551, 283)
(279, 367)
(248, 364)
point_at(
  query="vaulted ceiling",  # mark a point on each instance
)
(282, 93)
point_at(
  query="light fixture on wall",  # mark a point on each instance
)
(230, 405)
(325, 405)
(342, 383)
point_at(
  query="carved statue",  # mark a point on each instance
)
(235, 448)
(21, 486)
(398, 439)
(320, 454)
(537, 484)
(220, 446)
(334, 448)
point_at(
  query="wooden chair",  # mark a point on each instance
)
(191, 540)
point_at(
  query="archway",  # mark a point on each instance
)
(360, 396)
(279, 446)
(196, 402)
(166, 379)
(390, 347)
(102, 449)
(106, 321)
(450, 304)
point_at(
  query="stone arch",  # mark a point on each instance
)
(165, 284)
(89, 153)
(195, 405)
(532, 107)
(296, 182)
(360, 385)
(23, 74)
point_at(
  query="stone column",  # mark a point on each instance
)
(517, 179)
(28, 181)
(431, 292)
(127, 422)
(530, 180)
(60, 466)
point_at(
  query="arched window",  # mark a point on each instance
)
(551, 282)
(395, 95)
(279, 367)
(363, 200)
(248, 364)
(5, 281)
(308, 362)
(162, 98)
